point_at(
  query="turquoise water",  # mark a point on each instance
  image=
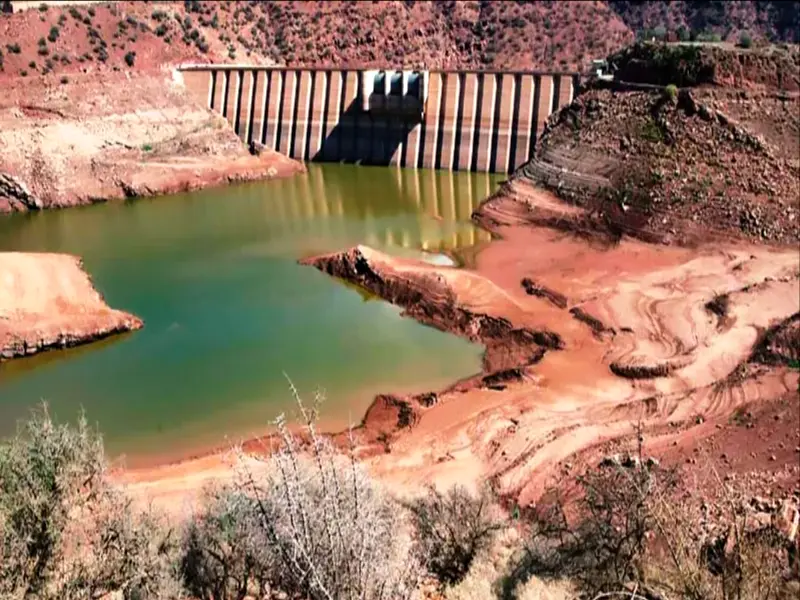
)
(228, 310)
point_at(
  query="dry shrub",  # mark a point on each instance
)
(601, 548)
(628, 536)
(452, 529)
(332, 532)
(738, 557)
(226, 554)
(64, 531)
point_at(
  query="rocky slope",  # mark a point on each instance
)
(117, 137)
(716, 159)
(47, 301)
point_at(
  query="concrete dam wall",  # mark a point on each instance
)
(468, 121)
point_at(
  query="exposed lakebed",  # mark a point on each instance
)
(228, 310)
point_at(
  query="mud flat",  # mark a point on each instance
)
(641, 339)
(587, 342)
(47, 301)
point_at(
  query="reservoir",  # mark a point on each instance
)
(229, 314)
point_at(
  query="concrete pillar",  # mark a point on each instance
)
(226, 83)
(212, 80)
(347, 118)
(249, 98)
(524, 121)
(331, 147)
(564, 90)
(431, 124)
(544, 106)
(449, 120)
(468, 109)
(411, 150)
(380, 126)
(363, 130)
(260, 96)
(303, 103)
(234, 94)
(273, 109)
(488, 93)
(287, 112)
(318, 105)
(399, 126)
(504, 122)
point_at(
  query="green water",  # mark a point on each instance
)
(228, 310)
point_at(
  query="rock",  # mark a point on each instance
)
(611, 461)
(16, 191)
(631, 462)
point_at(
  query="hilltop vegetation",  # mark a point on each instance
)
(774, 21)
(450, 34)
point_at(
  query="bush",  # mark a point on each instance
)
(452, 529)
(225, 551)
(53, 35)
(14, 48)
(64, 80)
(745, 41)
(332, 531)
(628, 537)
(22, 73)
(64, 532)
(130, 58)
(671, 92)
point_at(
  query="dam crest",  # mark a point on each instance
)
(478, 121)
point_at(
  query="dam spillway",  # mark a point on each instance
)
(451, 120)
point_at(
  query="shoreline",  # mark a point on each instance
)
(538, 322)
(48, 302)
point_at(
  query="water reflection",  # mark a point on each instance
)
(395, 208)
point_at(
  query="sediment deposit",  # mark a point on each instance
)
(644, 341)
(47, 301)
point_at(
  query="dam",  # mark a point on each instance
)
(451, 120)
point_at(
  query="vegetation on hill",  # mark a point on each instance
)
(443, 34)
(776, 21)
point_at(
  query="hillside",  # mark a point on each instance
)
(452, 34)
(715, 158)
(774, 21)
